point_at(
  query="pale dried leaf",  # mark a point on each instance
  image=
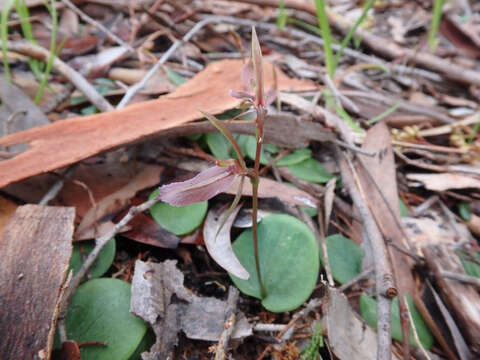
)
(219, 244)
(445, 181)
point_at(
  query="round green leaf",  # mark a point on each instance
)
(368, 309)
(310, 211)
(179, 220)
(103, 263)
(100, 311)
(219, 146)
(295, 157)
(289, 262)
(311, 170)
(345, 258)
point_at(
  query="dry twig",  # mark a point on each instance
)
(37, 52)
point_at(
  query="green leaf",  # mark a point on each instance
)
(174, 77)
(345, 258)
(403, 208)
(295, 157)
(311, 170)
(179, 220)
(464, 211)
(470, 267)
(310, 211)
(219, 146)
(368, 309)
(103, 263)
(100, 311)
(267, 154)
(289, 262)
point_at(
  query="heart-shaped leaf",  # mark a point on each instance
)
(345, 258)
(100, 311)
(311, 170)
(179, 220)
(289, 262)
(368, 309)
(219, 146)
(103, 263)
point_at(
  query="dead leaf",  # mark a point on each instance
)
(445, 181)
(379, 183)
(83, 137)
(467, 42)
(218, 243)
(159, 297)
(157, 84)
(342, 323)
(18, 112)
(432, 229)
(117, 200)
(269, 188)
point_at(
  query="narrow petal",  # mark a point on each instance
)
(202, 187)
(248, 78)
(258, 69)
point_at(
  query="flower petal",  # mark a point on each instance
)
(202, 187)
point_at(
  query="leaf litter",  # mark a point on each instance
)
(423, 153)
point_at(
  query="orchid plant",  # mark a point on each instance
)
(220, 177)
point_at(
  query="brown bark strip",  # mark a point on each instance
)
(69, 141)
(35, 247)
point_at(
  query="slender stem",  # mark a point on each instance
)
(255, 179)
(255, 182)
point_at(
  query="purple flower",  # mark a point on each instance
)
(202, 187)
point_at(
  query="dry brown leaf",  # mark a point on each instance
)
(269, 188)
(114, 202)
(69, 141)
(445, 181)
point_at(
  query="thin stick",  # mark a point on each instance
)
(461, 277)
(311, 305)
(414, 330)
(220, 351)
(385, 289)
(26, 48)
(55, 189)
(140, 85)
(363, 275)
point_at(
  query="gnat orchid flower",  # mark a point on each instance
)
(204, 186)
(252, 79)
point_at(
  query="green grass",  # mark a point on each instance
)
(42, 72)
(4, 38)
(436, 17)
